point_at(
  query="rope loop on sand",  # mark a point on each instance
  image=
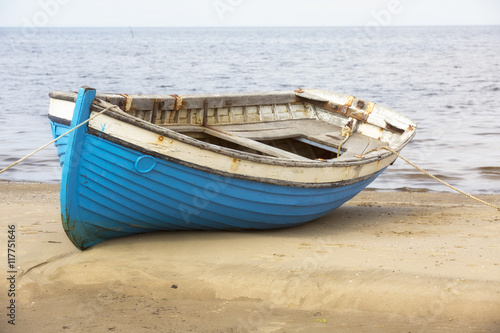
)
(434, 177)
(52, 141)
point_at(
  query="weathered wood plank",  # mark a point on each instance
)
(333, 107)
(349, 106)
(316, 130)
(279, 129)
(310, 96)
(190, 101)
(145, 102)
(238, 99)
(182, 128)
(263, 148)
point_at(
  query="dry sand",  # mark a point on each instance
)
(384, 262)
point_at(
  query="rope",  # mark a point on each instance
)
(105, 105)
(434, 177)
(52, 141)
(347, 132)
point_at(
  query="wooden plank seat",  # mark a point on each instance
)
(259, 136)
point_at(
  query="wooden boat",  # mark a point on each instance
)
(215, 162)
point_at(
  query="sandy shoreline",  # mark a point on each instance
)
(384, 262)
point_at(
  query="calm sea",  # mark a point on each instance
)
(446, 79)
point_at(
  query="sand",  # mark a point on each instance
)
(384, 262)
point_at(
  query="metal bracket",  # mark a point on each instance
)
(368, 110)
(178, 102)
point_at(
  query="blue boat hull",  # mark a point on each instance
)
(109, 190)
(59, 129)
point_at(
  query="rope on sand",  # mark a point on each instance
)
(435, 178)
(52, 141)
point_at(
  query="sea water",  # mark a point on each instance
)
(446, 79)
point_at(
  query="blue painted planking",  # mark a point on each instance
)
(115, 196)
(61, 144)
(228, 197)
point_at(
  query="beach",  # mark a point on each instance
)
(383, 262)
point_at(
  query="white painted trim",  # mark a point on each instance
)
(239, 167)
(61, 109)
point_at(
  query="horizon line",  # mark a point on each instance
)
(257, 26)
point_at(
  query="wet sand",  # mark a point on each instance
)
(384, 262)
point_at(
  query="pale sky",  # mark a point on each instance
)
(214, 13)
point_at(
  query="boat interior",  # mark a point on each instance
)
(288, 125)
(292, 130)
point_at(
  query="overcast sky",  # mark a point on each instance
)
(213, 13)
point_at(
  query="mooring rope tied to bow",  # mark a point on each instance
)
(434, 177)
(54, 140)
